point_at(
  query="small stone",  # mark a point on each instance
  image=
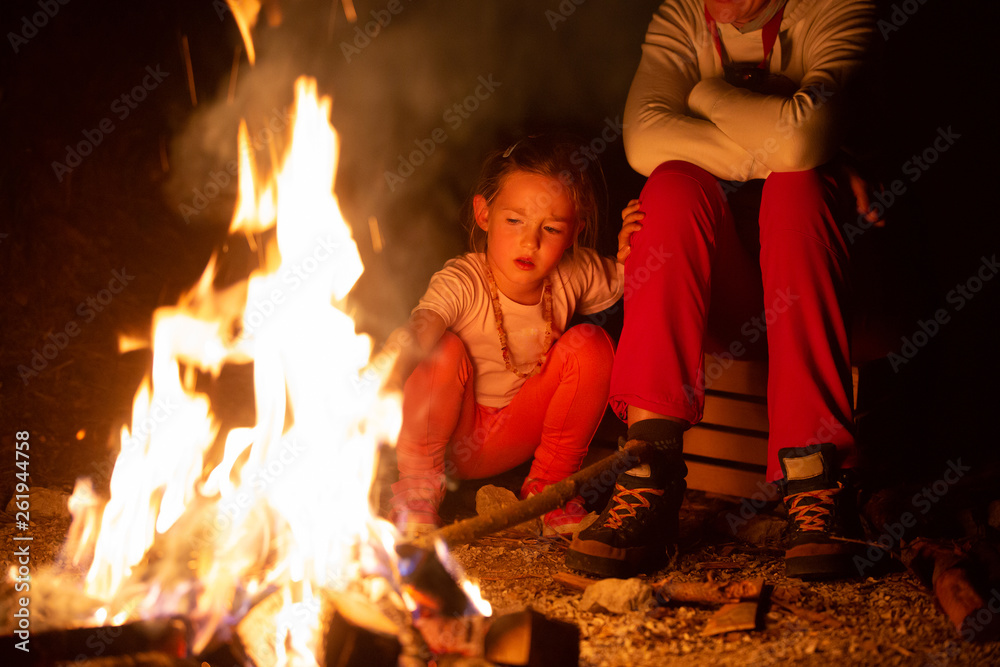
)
(618, 596)
(490, 498)
(43, 503)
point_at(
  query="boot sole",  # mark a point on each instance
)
(820, 567)
(638, 560)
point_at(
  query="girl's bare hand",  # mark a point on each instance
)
(631, 223)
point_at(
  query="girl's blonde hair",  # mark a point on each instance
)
(556, 156)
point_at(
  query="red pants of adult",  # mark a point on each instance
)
(687, 258)
(552, 417)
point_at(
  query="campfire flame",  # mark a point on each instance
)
(245, 14)
(285, 505)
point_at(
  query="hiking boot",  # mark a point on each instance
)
(815, 499)
(638, 526)
(563, 521)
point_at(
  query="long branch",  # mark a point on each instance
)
(553, 497)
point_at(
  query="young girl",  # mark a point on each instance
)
(492, 376)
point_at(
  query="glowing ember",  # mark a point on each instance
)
(285, 505)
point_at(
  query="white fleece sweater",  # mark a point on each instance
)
(680, 108)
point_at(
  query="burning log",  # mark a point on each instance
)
(355, 632)
(151, 659)
(600, 474)
(169, 639)
(449, 621)
(359, 636)
(429, 582)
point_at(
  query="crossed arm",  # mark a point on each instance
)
(673, 113)
(676, 112)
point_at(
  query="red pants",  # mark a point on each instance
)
(687, 257)
(553, 417)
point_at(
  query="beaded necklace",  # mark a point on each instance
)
(498, 316)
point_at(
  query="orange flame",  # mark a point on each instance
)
(192, 530)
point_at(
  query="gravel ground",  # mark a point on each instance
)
(888, 620)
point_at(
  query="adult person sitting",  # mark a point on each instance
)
(738, 90)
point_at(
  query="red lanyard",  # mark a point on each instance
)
(769, 37)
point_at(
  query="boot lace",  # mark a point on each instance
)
(812, 510)
(626, 502)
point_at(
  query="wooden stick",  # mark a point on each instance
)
(709, 592)
(574, 581)
(604, 472)
(944, 566)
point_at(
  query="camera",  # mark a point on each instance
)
(750, 77)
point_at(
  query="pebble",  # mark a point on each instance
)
(490, 497)
(618, 596)
(44, 502)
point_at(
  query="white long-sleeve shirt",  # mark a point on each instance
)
(680, 108)
(583, 282)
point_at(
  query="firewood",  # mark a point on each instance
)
(358, 635)
(430, 582)
(356, 631)
(731, 618)
(947, 567)
(710, 592)
(950, 568)
(453, 636)
(604, 472)
(574, 581)
(168, 637)
(144, 659)
(529, 639)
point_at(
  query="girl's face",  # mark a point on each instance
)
(529, 225)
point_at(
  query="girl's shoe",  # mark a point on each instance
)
(563, 521)
(415, 506)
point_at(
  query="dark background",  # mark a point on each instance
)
(126, 204)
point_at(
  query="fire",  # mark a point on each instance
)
(284, 505)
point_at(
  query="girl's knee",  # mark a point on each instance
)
(450, 351)
(590, 344)
(449, 358)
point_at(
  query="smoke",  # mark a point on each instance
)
(422, 91)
